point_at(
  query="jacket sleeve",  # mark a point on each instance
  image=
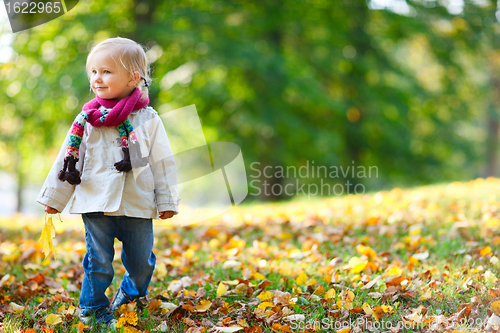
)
(162, 163)
(55, 193)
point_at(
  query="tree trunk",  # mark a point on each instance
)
(20, 183)
(492, 144)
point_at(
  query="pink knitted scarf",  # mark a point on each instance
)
(117, 116)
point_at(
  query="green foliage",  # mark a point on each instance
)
(325, 81)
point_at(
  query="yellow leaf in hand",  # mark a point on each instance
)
(221, 290)
(48, 232)
(53, 319)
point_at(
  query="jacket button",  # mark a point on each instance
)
(118, 142)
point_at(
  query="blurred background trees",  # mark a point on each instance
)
(410, 87)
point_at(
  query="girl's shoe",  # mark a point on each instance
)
(100, 316)
(120, 299)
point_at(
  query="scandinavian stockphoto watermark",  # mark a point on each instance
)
(26, 14)
(309, 179)
(375, 325)
(210, 177)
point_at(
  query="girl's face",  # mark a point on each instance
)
(107, 79)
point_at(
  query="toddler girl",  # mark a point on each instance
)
(118, 168)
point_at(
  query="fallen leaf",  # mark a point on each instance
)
(221, 290)
(366, 251)
(301, 279)
(367, 308)
(378, 313)
(300, 317)
(129, 318)
(130, 329)
(393, 271)
(493, 323)
(227, 329)
(344, 330)
(485, 250)
(371, 283)
(81, 326)
(15, 308)
(203, 306)
(495, 307)
(254, 329)
(265, 305)
(330, 294)
(421, 256)
(426, 295)
(357, 264)
(490, 278)
(53, 319)
(265, 296)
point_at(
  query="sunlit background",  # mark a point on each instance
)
(408, 87)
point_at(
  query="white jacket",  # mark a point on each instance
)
(141, 192)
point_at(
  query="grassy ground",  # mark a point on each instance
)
(423, 259)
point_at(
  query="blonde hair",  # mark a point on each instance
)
(129, 54)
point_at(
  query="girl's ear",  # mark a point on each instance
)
(134, 79)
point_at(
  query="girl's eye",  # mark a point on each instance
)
(107, 72)
(94, 71)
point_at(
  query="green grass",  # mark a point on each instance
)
(283, 240)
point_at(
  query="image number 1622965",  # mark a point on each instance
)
(25, 14)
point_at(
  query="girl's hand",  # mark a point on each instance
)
(166, 214)
(51, 210)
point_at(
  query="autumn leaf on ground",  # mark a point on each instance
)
(15, 308)
(48, 232)
(53, 319)
(330, 294)
(366, 251)
(203, 306)
(485, 250)
(221, 290)
(344, 330)
(367, 308)
(130, 329)
(394, 271)
(347, 299)
(265, 296)
(495, 307)
(80, 326)
(228, 329)
(301, 279)
(129, 318)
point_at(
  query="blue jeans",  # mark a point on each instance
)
(136, 235)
